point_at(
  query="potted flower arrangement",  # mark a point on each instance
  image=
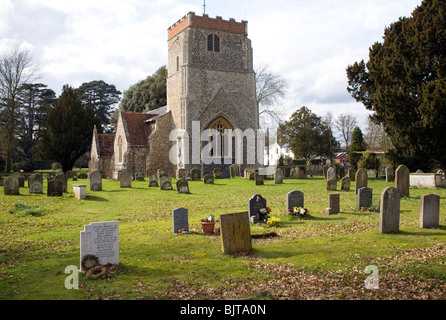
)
(299, 212)
(208, 224)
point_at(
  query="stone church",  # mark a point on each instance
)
(210, 88)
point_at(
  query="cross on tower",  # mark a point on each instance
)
(204, 6)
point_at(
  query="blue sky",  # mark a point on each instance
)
(308, 42)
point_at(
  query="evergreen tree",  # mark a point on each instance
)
(358, 142)
(68, 129)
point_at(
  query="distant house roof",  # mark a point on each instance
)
(339, 154)
(106, 144)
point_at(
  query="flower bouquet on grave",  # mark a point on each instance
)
(299, 212)
(273, 222)
(263, 214)
(208, 224)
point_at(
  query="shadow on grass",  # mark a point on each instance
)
(423, 232)
(96, 198)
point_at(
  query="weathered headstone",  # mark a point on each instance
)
(217, 173)
(430, 211)
(278, 176)
(331, 174)
(294, 199)
(125, 180)
(21, 178)
(352, 174)
(255, 204)
(11, 185)
(208, 179)
(258, 178)
(180, 219)
(165, 183)
(55, 188)
(235, 233)
(325, 171)
(153, 181)
(70, 174)
(79, 191)
(182, 186)
(95, 181)
(389, 220)
(63, 178)
(402, 180)
(345, 183)
(234, 170)
(364, 198)
(333, 204)
(161, 173)
(419, 171)
(101, 240)
(139, 176)
(180, 173)
(390, 174)
(195, 174)
(35, 183)
(186, 175)
(361, 180)
(332, 184)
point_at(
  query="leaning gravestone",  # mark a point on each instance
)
(402, 180)
(95, 181)
(278, 176)
(364, 198)
(255, 204)
(153, 181)
(55, 188)
(331, 174)
(361, 180)
(390, 174)
(332, 184)
(180, 219)
(63, 178)
(35, 183)
(333, 204)
(11, 186)
(234, 170)
(430, 211)
(165, 183)
(217, 173)
(99, 240)
(125, 180)
(345, 183)
(389, 220)
(235, 233)
(182, 186)
(195, 174)
(294, 199)
(208, 179)
(258, 178)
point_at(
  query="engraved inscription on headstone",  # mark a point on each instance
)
(180, 219)
(295, 199)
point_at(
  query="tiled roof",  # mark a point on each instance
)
(106, 144)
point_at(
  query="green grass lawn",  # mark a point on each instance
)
(322, 257)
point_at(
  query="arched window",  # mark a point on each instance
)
(220, 124)
(120, 148)
(213, 43)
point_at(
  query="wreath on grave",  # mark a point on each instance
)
(97, 272)
(89, 261)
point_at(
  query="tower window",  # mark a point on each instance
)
(213, 43)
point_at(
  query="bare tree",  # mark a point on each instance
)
(376, 137)
(270, 88)
(345, 123)
(16, 69)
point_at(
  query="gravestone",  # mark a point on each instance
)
(11, 185)
(79, 191)
(195, 174)
(419, 171)
(125, 180)
(95, 181)
(325, 171)
(153, 181)
(352, 174)
(390, 174)
(54, 188)
(402, 180)
(331, 174)
(180, 219)
(430, 211)
(332, 184)
(235, 233)
(333, 204)
(364, 198)
(361, 180)
(160, 173)
(389, 218)
(345, 183)
(186, 175)
(63, 178)
(217, 173)
(234, 170)
(208, 179)
(21, 178)
(180, 173)
(341, 172)
(165, 183)
(256, 203)
(100, 239)
(139, 176)
(278, 176)
(35, 183)
(182, 186)
(258, 178)
(70, 174)
(294, 199)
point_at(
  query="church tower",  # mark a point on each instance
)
(211, 85)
